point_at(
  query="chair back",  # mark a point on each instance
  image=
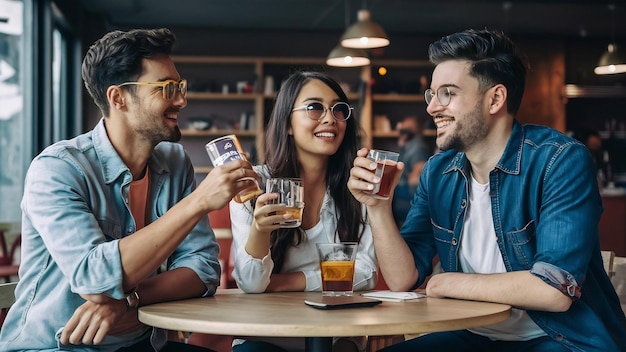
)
(7, 298)
(7, 294)
(607, 258)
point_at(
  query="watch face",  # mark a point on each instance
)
(132, 300)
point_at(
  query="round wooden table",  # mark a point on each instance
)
(231, 312)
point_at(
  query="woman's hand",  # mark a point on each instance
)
(265, 218)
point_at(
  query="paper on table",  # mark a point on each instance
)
(387, 295)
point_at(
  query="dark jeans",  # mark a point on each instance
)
(465, 341)
(171, 346)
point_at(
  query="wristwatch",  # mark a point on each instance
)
(132, 300)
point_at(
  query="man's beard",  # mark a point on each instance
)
(469, 130)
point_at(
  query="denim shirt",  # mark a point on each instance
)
(546, 207)
(74, 212)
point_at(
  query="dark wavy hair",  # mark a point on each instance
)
(495, 60)
(281, 160)
(117, 58)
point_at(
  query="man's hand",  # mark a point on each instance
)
(363, 177)
(92, 322)
(224, 182)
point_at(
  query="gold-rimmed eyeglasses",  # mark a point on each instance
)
(316, 111)
(443, 95)
(169, 87)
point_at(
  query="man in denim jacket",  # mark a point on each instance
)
(511, 210)
(103, 211)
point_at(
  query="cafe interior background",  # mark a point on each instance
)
(235, 54)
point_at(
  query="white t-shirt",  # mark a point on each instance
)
(479, 253)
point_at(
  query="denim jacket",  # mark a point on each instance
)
(74, 212)
(546, 207)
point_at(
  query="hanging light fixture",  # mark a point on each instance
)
(364, 34)
(612, 61)
(347, 57)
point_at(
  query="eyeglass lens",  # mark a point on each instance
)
(443, 95)
(341, 111)
(170, 88)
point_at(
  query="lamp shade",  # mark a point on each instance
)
(347, 57)
(611, 62)
(364, 34)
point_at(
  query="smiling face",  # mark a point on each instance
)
(322, 137)
(462, 123)
(151, 116)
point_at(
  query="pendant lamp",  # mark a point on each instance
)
(341, 56)
(364, 34)
(612, 61)
(347, 57)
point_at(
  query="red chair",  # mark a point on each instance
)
(9, 265)
(220, 223)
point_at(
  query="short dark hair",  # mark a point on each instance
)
(117, 57)
(495, 60)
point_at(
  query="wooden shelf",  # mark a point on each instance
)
(576, 91)
(203, 169)
(211, 133)
(401, 98)
(395, 134)
(211, 72)
(222, 96)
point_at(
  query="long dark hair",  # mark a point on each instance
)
(281, 159)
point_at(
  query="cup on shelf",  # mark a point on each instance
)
(225, 149)
(385, 169)
(291, 194)
(337, 267)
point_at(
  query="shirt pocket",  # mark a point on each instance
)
(522, 243)
(443, 235)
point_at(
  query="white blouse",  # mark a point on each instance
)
(253, 275)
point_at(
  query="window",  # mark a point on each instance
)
(12, 112)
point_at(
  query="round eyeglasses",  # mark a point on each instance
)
(443, 95)
(316, 111)
(169, 87)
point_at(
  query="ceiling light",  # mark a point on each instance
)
(612, 61)
(364, 34)
(347, 57)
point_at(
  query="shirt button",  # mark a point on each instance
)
(454, 241)
(129, 230)
(559, 337)
(463, 203)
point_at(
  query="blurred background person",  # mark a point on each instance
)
(414, 152)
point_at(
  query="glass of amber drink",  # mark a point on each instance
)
(386, 170)
(291, 194)
(337, 267)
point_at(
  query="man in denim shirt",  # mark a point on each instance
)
(511, 210)
(102, 212)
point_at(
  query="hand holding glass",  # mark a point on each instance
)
(291, 194)
(227, 148)
(385, 169)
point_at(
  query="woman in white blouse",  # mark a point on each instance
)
(312, 134)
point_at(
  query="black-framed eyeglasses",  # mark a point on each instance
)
(169, 87)
(316, 111)
(443, 95)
